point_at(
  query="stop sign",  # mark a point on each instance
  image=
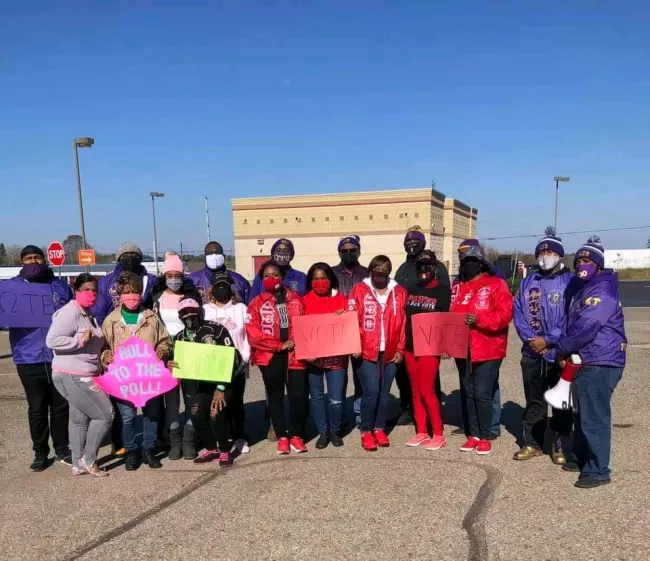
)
(56, 254)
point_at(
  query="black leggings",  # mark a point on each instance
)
(275, 376)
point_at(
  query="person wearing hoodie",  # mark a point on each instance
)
(215, 263)
(414, 244)
(167, 292)
(487, 304)
(428, 296)
(540, 318)
(77, 341)
(47, 408)
(131, 319)
(270, 333)
(595, 332)
(323, 297)
(282, 253)
(379, 303)
(232, 315)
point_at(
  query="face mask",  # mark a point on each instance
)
(191, 323)
(586, 271)
(271, 284)
(469, 269)
(131, 301)
(86, 298)
(174, 284)
(413, 248)
(349, 259)
(321, 286)
(131, 264)
(34, 271)
(282, 258)
(548, 262)
(222, 293)
(379, 280)
(215, 261)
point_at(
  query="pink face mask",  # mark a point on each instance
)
(86, 298)
(131, 301)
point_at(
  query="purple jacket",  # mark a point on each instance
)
(595, 326)
(28, 345)
(107, 298)
(295, 280)
(540, 309)
(202, 279)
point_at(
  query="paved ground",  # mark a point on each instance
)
(635, 294)
(339, 504)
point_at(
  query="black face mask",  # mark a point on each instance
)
(131, 264)
(191, 323)
(379, 280)
(35, 271)
(222, 293)
(413, 248)
(282, 258)
(469, 269)
(349, 258)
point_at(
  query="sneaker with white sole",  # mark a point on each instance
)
(419, 439)
(470, 445)
(242, 446)
(435, 443)
(484, 447)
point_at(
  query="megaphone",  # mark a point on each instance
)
(559, 397)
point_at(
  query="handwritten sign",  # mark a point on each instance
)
(25, 304)
(136, 374)
(323, 335)
(436, 334)
(201, 361)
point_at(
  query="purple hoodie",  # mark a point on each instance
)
(595, 325)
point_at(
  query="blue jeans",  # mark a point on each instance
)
(594, 386)
(356, 364)
(496, 401)
(172, 404)
(150, 414)
(496, 411)
(335, 394)
(480, 382)
(376, 379)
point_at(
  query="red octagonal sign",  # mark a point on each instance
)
(56, 254)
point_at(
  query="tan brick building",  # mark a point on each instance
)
(315, 223)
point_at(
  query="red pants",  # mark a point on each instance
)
(423, 371)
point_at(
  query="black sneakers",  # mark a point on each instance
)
(131, 463)
(40, 463)
(64, 457)
(150, 459)
(323, 441)
(335, 439)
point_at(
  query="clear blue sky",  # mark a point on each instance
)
(253, 98)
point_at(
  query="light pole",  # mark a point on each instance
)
(81, 142)
(207, 218)
(154, 195)
(557, 180)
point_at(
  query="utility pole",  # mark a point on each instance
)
(207, 218)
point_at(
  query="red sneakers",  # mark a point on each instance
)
(470, 445)
(368, 441)
(297, 445)
(381, 438)
(484, 447)
(283, 445)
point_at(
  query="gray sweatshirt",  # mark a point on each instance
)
(71, 356)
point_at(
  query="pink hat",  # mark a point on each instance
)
(172, 263)
(188, 304)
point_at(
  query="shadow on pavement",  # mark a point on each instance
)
(512, 418)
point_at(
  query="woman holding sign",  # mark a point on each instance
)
(130, 319)
(379, 302)
(270, 335)
(323, 297)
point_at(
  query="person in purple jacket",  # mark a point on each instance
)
(215, 263)
(282, 253)
(595, 331)
(47, 408)
(540, 318)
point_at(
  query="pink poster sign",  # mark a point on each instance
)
(136, 374)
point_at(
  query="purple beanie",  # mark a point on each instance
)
(354, 240)
(592, 250)
(284, 241)
(550, 242)
(415, 235)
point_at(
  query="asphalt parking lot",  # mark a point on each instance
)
(344, 503)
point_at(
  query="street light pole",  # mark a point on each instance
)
(81, 142)
(207, 218)
(557, 180)
(154, 195)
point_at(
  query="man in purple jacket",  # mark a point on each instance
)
(540, 318)
(282, 253)
(47, 409)
(596, 333)
(215, 263)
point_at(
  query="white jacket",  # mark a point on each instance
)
(233, 318)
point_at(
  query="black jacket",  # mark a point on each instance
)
(422, 300)
(349, 277)
(407, 276)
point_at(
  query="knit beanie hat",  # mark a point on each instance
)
(354, 240)
(31, 250)
(415, 233)
(550, 242)
(128, 247)
(172, 263)
(466, 244)
(592, 250)
(284, 241)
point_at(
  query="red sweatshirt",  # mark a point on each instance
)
(315, 304)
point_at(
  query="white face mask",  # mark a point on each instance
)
(548, 262)
(214, 261)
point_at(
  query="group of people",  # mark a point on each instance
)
(557, 314)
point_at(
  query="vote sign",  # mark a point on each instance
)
(56, 254)
(136, 374)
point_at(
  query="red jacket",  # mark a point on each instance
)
(364, 302)
(315, 304)
(263, 327)
(489, 298)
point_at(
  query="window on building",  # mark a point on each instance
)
(401, 215)
(341, 218)
(385, 217)
(272, 221)
(356, 218)
(327, 219)
(370, 217)
(245, 221)
(285, 220)
(259, 221)
(417, 215)
(313, 219)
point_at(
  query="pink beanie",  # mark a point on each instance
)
(172, 263)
